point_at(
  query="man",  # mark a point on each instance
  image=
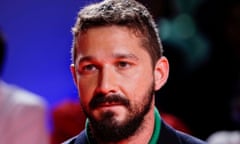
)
(22, 113)
(117, 65)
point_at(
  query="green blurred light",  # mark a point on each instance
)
(183, 27)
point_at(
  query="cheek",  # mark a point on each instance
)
(143, 76)
(138, 83)
(86, 90)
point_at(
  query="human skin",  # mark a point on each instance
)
(112, 60)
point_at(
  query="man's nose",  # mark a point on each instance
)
(107, 81)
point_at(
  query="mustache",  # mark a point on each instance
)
(100, 98)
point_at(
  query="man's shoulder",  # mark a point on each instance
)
(171, 135)
(71, 140)
(189, 139)
(78, 139)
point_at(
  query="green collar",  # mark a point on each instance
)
(155, 135)
(157, 127)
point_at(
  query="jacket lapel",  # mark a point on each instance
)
(167, 135)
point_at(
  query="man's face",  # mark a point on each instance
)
(114, 77)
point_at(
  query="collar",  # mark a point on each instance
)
(153, 140)
(157, 127)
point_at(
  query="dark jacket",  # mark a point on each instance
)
(168, 135)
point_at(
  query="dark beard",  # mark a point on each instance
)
(109, 130)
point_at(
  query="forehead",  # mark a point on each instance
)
(104, 33)
(108, 40)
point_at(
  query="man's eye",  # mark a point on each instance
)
(89, 68)
(123, 64)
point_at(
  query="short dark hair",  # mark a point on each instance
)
(127, 13)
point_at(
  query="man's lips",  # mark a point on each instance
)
(109, 104)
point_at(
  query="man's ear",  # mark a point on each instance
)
(72, 68)
(161, 72)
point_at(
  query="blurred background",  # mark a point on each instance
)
(201, 39)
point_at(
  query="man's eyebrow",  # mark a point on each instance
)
(118, 56)
(129, 56)
(86, 58)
